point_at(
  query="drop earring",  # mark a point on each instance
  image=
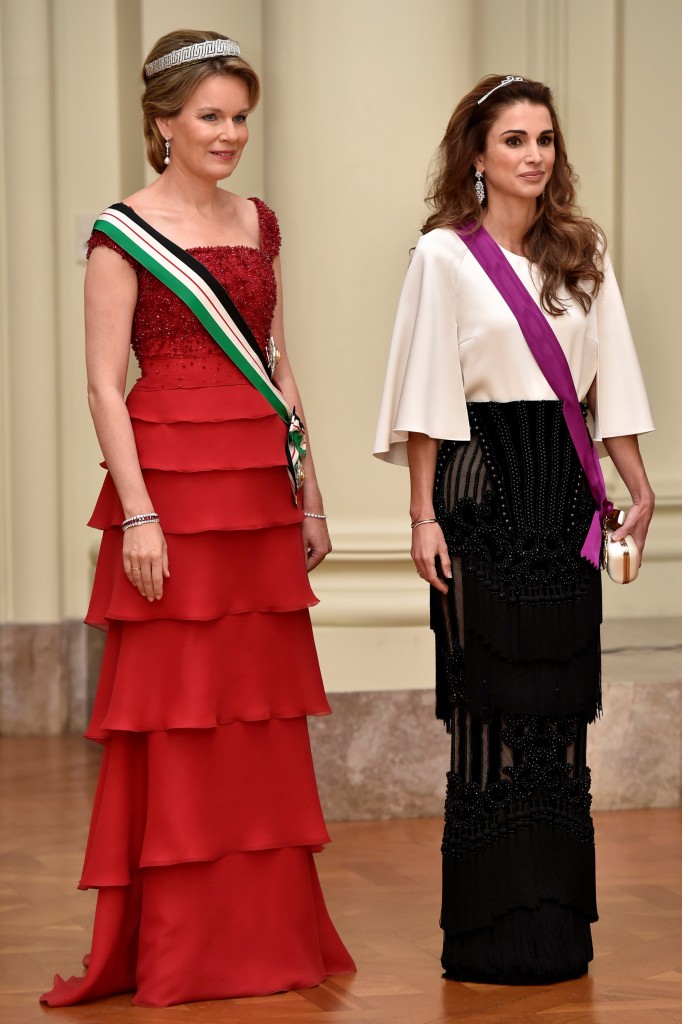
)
(166, 159)
(479, 188)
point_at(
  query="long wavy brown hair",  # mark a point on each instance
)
(564, 246)
(166, 92)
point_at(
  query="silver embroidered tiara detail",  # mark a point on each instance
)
(190, 54)
(505, 81)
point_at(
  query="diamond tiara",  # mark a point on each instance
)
(505, 81)
(190, 54)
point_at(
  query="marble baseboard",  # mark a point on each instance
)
(635, 749)
(380, 755)
(44, 678)
(383, 755)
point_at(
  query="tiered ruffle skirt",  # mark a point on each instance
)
(207, 814)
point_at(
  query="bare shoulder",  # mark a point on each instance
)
(235, 220)
(108, 268)
(156, 207)
(242, 212)
(145, 201)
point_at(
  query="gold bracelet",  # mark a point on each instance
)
(420, 522)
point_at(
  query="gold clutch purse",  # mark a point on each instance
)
(620, 558)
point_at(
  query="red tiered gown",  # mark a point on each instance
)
(207, 814)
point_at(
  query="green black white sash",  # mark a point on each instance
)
(212, 305)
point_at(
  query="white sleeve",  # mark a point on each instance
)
(622, 405)
(423, 390)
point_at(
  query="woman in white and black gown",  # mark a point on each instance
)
(500, 508)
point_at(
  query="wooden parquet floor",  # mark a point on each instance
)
(381, 882)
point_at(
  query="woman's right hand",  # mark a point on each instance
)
(428, 543)
(145, 559)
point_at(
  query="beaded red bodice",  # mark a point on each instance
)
(164, 327)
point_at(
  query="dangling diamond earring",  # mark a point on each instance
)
(479, 187)
(166, 159)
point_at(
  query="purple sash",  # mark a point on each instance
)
(550, 357)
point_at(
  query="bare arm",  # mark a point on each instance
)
(110, 296)
(428, 541)
(626, 457)
(316, 540)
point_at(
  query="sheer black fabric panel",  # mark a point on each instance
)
(517, 681)
(515, 508)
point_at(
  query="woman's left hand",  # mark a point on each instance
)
(316, 542)
(637, 522)
(626, 457)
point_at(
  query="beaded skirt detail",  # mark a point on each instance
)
(518, 681)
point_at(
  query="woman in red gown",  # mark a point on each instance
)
(207, 814)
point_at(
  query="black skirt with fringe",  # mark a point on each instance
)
(517, 682)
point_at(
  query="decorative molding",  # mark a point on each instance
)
(368, 580)
(664, 543)
(379, 540)
(387, 541)
(366, 593)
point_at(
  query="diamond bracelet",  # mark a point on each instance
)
(144, 517)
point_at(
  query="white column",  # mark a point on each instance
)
(572, 46)
(91, 157)
(6, 559)
(358, 96)
(649, 227)
(31, 474)
(98, 50)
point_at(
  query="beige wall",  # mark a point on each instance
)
(357, 95)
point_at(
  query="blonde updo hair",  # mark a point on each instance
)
(166, 93)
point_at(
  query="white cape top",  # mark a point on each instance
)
(456, 341)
